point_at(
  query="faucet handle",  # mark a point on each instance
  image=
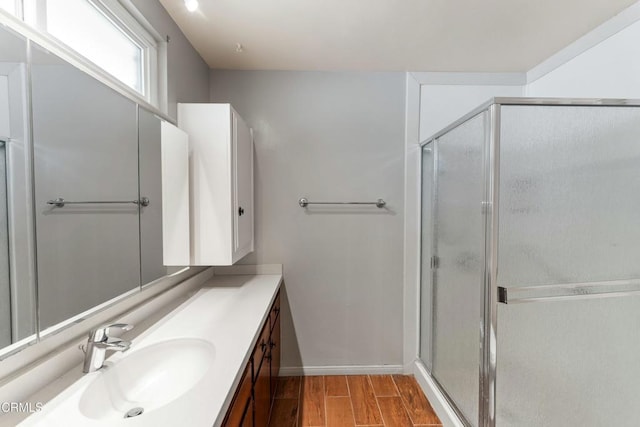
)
(114, 344)
(104, 332)
(117, 327)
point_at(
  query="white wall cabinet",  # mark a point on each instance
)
(221, 182)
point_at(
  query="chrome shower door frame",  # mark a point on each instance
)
(489, 321)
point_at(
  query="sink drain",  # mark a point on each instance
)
(134, 412)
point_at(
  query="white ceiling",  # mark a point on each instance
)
(380, 35)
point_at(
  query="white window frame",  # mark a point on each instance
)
(128, 20)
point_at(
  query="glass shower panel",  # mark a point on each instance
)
(569, 363)
(459, 250)
(569, 180)
(426, 288)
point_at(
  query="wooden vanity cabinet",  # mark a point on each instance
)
(241, 409)
(274, 345)
(275, 311)
(259, 377)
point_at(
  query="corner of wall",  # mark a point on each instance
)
(594, 37)
(411, 268)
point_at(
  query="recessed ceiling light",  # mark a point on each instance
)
(191, 5)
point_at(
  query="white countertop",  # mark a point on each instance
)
(228, 312)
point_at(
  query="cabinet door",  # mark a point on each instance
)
(275, 354)
(243, 186)
(238, 410)
(262, 394)
(247, 420)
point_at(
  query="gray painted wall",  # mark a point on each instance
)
(328, 136)
(187, 73)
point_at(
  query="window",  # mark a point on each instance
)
(106, 34)
(9, 6)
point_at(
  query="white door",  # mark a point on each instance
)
(243, 197)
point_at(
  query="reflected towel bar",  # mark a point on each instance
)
(60, 202)
(378, 203)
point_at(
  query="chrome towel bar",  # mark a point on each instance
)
(378, 203)
(60, 202)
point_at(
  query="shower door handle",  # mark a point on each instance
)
(435, 262)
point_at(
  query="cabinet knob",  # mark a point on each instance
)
(263, 345)
(240, 211)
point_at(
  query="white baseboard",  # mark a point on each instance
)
(439, 403)
(341, 370)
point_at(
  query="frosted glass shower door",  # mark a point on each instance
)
(569, 204)
(459, 259)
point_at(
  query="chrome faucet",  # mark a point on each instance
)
(100, 340)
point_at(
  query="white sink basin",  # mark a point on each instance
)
(147, 379)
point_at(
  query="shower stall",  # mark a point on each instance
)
(530, 292)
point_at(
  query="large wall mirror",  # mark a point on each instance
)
(81, 199)
(86, 190)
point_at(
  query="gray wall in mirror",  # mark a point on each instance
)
(85, 146)
(17, 286)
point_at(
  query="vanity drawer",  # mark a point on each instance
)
(240, 402)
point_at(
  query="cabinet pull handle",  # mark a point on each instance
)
(240, 211)
(263, 345)
(272, 344)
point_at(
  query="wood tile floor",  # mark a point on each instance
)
(354, 400)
